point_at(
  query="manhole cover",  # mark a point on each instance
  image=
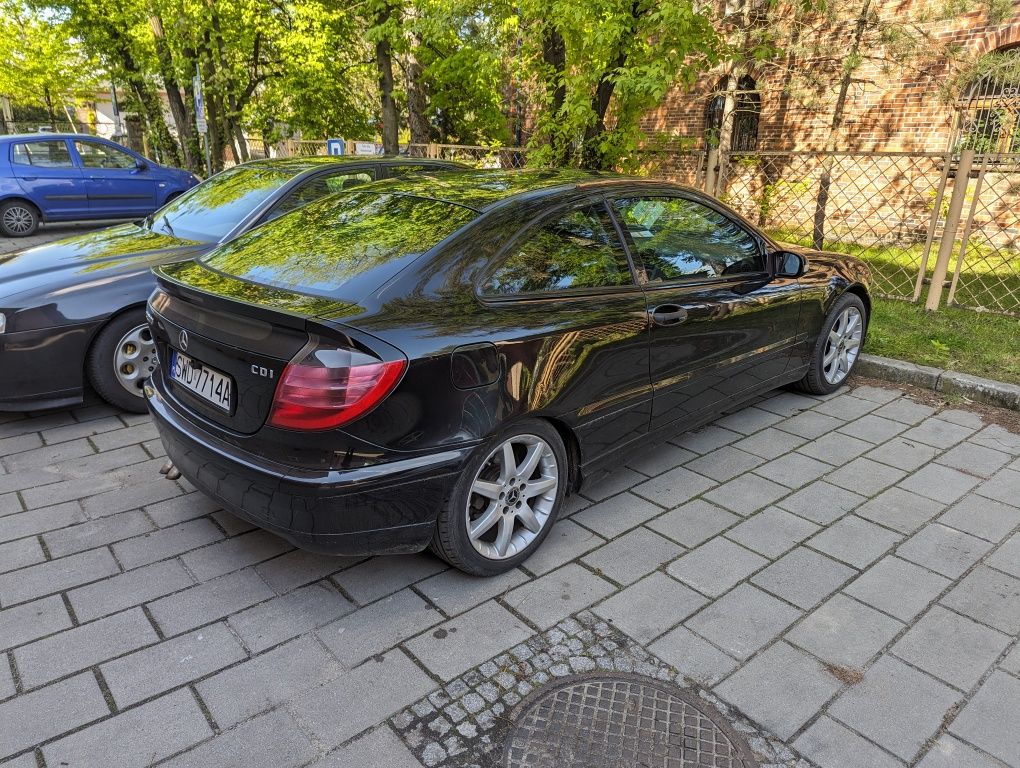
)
(620, 721)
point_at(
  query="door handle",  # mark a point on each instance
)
(30, 178)
(668, 314)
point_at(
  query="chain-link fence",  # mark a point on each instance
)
(878, 206)
(59, 125)
(682, 167)
(890, 209)
(477, 156)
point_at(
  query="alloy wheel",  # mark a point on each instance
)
(512, 496)
(18, 219)
(843, 345)
(134, 359)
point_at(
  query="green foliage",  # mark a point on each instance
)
(42, 66)
(620, 59)
(325, 86)
(464, 71)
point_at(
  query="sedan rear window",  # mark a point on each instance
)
(212, 209)
(361, 237)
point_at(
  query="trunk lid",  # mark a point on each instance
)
(245, 331)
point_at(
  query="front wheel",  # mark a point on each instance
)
(121, 359)
(505, 502)
(838, 346)
(18, 219)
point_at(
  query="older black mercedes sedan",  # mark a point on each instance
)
(439, 361)
(73, 311)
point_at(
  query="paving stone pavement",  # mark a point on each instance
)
(839, 577)
(49, 232)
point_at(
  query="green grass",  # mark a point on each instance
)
(979, 343)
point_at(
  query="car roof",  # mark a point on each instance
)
(483, 191)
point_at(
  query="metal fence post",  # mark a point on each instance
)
(960, 185)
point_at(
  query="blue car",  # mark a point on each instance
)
(71, 176)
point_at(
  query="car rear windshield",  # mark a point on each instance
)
(355, 237)
(209, 211)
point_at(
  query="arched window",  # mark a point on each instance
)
(746, 112)
(989, 107)
(743, 128)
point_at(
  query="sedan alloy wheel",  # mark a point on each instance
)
(843, 345)
(512, 497)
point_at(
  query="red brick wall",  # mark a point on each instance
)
(890, 109)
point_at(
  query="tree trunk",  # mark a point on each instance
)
(50, 117)
(147, 99)
(231, 115)
(593, 156)
(838, 115)
(212, 111)
(554, 55)
(384, 65)
(417, 102)
(173, 94)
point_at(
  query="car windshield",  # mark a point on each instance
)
(209, 211)
(356, 237)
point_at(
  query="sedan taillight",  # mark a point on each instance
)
(330, 387)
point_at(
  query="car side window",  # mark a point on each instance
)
(42, 154)
(577, 248)
(317, 188)
(678, 239)
(94, 155)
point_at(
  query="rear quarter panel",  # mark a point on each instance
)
(581, 360)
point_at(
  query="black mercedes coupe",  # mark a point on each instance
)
(74, 311)
(438, 361)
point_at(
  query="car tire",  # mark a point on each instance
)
(838, 346)
(120, 359)
(526, 500)
(18, 218)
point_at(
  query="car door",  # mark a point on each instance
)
(572, 327)
(317, 187)
(48, 174)
(118, 183)
(721, 324)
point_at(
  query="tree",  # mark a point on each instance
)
(604, 63)
(324, 86)
(384, 30)
(42, 66)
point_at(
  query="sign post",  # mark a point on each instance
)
(200, 122)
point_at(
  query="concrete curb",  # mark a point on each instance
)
(949, 382)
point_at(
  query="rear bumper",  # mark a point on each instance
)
(43, 368)
(385, 508)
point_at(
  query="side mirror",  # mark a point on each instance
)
(789, 264)
(141, 165)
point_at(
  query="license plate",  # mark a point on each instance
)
(208, 383)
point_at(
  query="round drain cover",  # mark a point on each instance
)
(620, 721)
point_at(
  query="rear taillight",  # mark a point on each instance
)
(329, 387)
